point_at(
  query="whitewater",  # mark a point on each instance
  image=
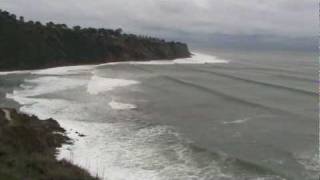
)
(129, 113)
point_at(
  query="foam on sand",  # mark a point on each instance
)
(64, 70)
(99, 84)
(196, 58)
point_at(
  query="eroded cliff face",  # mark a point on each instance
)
(31, 45)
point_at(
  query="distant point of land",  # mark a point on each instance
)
(33, 45)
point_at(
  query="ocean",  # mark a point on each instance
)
(206, 118)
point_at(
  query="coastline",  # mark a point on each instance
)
(28, 148)
(94, 63)
(52, 45)
(194, 58)
(72, 129)
(85, 157)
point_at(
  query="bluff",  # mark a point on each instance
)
(33, 45)
(28, 148)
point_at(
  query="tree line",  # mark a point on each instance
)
(31, 45)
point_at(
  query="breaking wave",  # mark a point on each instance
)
(125, 148)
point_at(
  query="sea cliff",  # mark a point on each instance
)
(33, 45)
(28, 147)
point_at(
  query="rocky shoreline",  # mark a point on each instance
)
(28, 148)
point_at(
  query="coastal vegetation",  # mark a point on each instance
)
(32, 45)
(28, 148)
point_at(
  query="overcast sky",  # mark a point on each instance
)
(194, 21)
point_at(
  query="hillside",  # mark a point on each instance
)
(32, 45)
(28, 149)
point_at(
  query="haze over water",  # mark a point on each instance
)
(228, 119)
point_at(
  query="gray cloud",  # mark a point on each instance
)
(288, 19)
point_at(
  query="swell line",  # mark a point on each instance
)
(273, 71)
(296, 78)
(219, 93)
(255, 82)
(225, 160)
(268, 68)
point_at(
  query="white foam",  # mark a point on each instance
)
(120, 150)
(49, 84)
(121, 106)
(238, 121)
(311, 163)
(99, 84)
(153, 62)
(196, 58)
(199, 58)
(64, 70)
(117, 151)
(14, 72)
